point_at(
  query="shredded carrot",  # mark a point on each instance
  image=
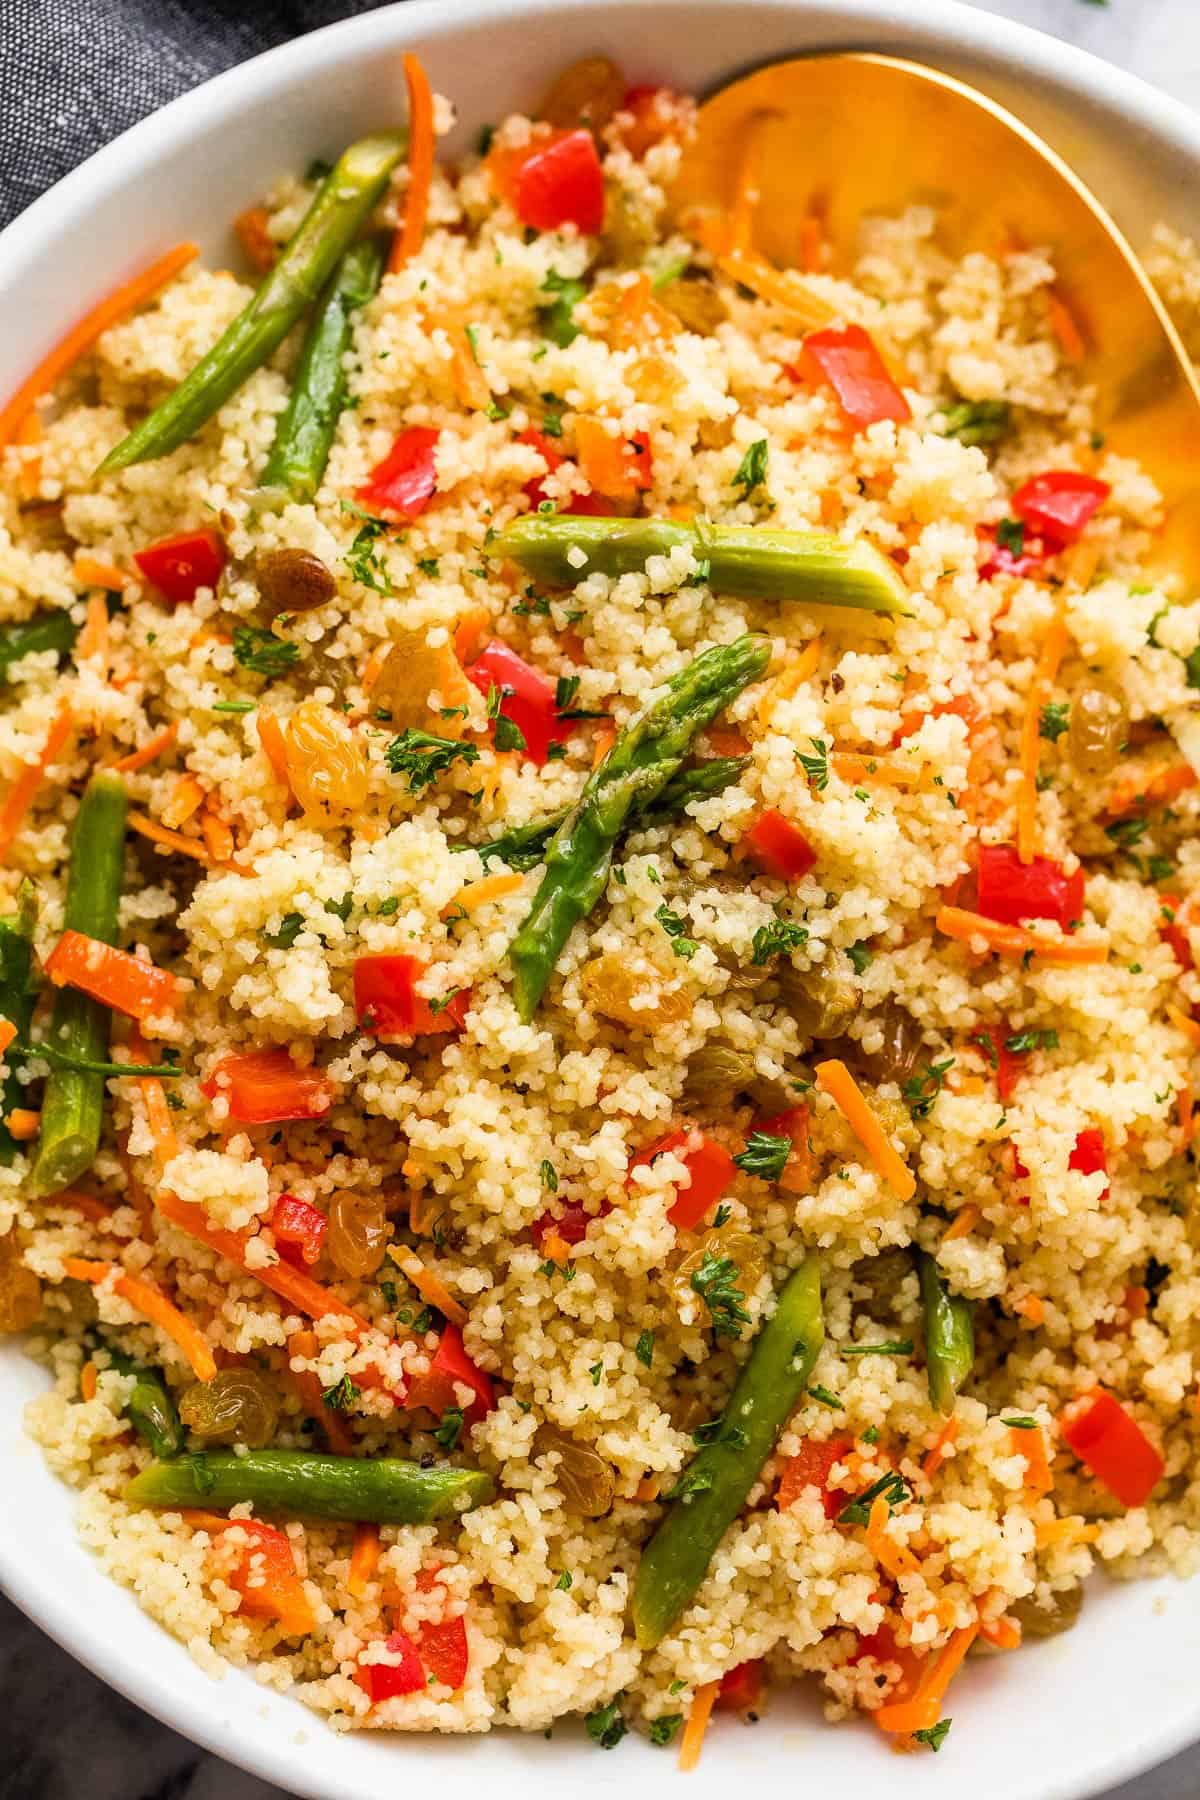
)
(471, 388)
(804, 666)
(965, 1221)
(158, 1114)
(692, 1741)
(91, 571)
(1053, 648)
(1004, 1633)
(479, 893)
(29, 471)
(23, 1124)
(1162, 787)
(1065, 328)
(146, 753)
(469, 630)
(421, 146)
(154, 1305)
(1071, 1530)
(368, 678)
(8, 1032)
(252, 234)
(308, 1386)
(187, 797)
(429, 1285)
(87, 1381)
(1182, 1022)
(861, 769)
(89, 1205)
(648, 1488)
(93, 639)
(363, 1558)
(167, 840)
(936, 1456)
(1015, 940)
(270, 736)
(84, 333)
(556, 1248)
(1032, 1308)
(835, 1079)
(1187, 1122)
(895, 1559)
(1029, 1442)
(606, 737)
(24, 789)
(217, 836)
(921, 1712)
(781, 287)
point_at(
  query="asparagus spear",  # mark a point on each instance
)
(713, 1489)
(73, 1100)
(341, 205)
(384, 1489)
(524, 845)
(949, 1336)
(149, 1408)
(645, 758)
(17, 995)
(304, 435)
(45, 631)
(752, 562)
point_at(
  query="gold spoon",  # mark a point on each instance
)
(854, 134)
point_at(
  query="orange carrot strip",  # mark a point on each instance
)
(1030, 1444)
(217, 836)
(1065, 328)
(835, 1079)
(430, 1286)
(8, 1032)
(1032, 1308)
(92, 571)
(1071, 1530)
(691, 1743)
(895, 1559)
(1053, 648)
(158, 1114)
(114, 977)
(1015, 940)
(469, 630)
(1162, 787)
(470, 383)
(937, 1450)
(648, 1488)
(270, 736)
(965, 1221)
(1004, 1633)
(805, 665)
(154, 1305)
(308, 1386)
(1187, 1122)
(93, 639)
(23, 1124)
(556, 1248)
(368, 678)
(168, 840)
(24, 789)
(606, 737)
(153, 746)
(479, 893)
(87, 1381)
(860, 769)
(921, 1712)
(1182, 1022)
(363, 1558)
(83, 335)
(421, 146)
(781, 287)
(257, 243)
(187, 797)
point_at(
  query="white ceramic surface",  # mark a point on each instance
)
(1057, 1722)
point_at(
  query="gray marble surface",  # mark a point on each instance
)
(65, 1735)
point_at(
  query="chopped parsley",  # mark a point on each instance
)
(816, 767)
(644, 1348)
(977, 421)
(565, 1582)
(341, 1396)
(290, 927)
(507, 734)
(262, 652)
(423, 757)
(663, 1729)
(722, 1216)
(1054, 721)
(816, 1392)
(340, 909)
(232, 706)
(871, 1435)
(695, 1481)
(860, 955)
(764, 1155)
(776, 939)
(1021, 1423)
(449, 1431)
(429, 565)
(364, 558)
(716, 1283)
(752, 470)
(922, 1089)
(935, 1735)
(606, 1726)
(1126, 832)
(548, 1176)
(559, 312)
(675, 927)
(1010, 535)
(893, 1488)
(1022, 1041)
(597, 1373)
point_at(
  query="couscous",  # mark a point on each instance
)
(600, 892)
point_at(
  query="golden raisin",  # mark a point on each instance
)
(737, 1247)
(326, 766)
(1098, 727)
(20, 1289)
(358, 1233)
(587, 92)
(632, 995)
(584, 1479)
(238, 1406)
(412, 671)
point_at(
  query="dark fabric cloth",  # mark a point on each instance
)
(75, 73)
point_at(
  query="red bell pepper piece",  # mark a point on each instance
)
(1011, 891)
(741, 1687)
(1008, 1064)
(404, 1675)
(846, 358)
(654, 116)
(138, 989)
(709, 1165)
(180, 566)
(1059, 504)
(403, 484)
(1089, 1155)
(265, 1577)
(779, 847)
(527, 699)
(579, 505)
(557, 181)
(387, 1002)
(570, 1224)
(1173, 930)
(810, 1468)
(299, 1228)
(264, 1087)
(1111, 1443)
(1002, 559)
(451, 1367)
(443, 1648)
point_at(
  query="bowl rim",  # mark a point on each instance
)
(195, 115)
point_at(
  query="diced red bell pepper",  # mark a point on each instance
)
(387, 1002)
(846, 358)
(1089, 1155)
(1007, 1064)
(443, 1647)
(403, 484)
(779, 847)
(1111, 1443)
(138, 989)
(383, 1681)
(266, 1579)
(527, 698)
(1173, 930)
(579, 505)
(741, 1687)
(1012, 891)
(299, 1229)
(654, 116)
(1002, 559)
(1059, 503)
(810, 1467)
(709, 1165)
(793, 1124)
(570, 1224)
(451, 1367)
(264, 1087)
(555, 180)
(180, 566)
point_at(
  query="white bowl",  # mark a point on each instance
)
(1056, 1722)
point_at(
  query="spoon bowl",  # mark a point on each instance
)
(838, 137)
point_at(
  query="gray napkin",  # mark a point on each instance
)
(74, 73)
